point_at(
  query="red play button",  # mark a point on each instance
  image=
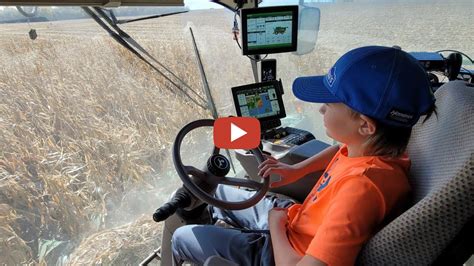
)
(237, 133)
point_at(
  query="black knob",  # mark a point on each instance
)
(218, 165)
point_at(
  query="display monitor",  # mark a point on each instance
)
(268, 30)
(260, 100)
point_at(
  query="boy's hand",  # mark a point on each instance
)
(288, 173)
(278, 216)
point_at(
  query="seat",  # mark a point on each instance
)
(438, 229)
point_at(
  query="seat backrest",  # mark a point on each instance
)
(442, 179)
(442, 145)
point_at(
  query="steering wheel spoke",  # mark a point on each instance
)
(241, 182)
(191, 170)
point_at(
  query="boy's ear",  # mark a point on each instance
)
(367, 125)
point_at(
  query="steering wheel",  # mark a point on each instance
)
(202, 183)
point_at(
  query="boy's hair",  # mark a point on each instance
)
(391, 140)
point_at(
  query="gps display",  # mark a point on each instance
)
(269, 29)
(259, 100)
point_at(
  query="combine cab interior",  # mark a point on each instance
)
(108, 110)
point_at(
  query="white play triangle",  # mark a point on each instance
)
(236, 132)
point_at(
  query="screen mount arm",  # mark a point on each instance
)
(253, 61)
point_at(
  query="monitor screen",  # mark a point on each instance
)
(260, 100)
(269, 30)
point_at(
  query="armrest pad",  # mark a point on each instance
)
(306, 150)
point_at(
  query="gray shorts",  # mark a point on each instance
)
(250, 244)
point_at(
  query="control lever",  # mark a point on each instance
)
(181, 199)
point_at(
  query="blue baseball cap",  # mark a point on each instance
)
(384, 83)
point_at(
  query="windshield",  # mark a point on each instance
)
(87, 127)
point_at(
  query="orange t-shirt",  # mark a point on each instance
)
(346, 206)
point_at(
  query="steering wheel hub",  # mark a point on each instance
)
(218, 165)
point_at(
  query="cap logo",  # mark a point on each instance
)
(400, 116)
(331, 76)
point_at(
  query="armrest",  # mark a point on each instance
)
(306, 150)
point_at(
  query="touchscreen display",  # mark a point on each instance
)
(259, 100)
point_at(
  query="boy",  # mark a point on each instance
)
(372, 97)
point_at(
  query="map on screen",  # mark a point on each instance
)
(259, 103)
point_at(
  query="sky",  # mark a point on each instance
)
(192, 4)
(205, 4)
(200, 4)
